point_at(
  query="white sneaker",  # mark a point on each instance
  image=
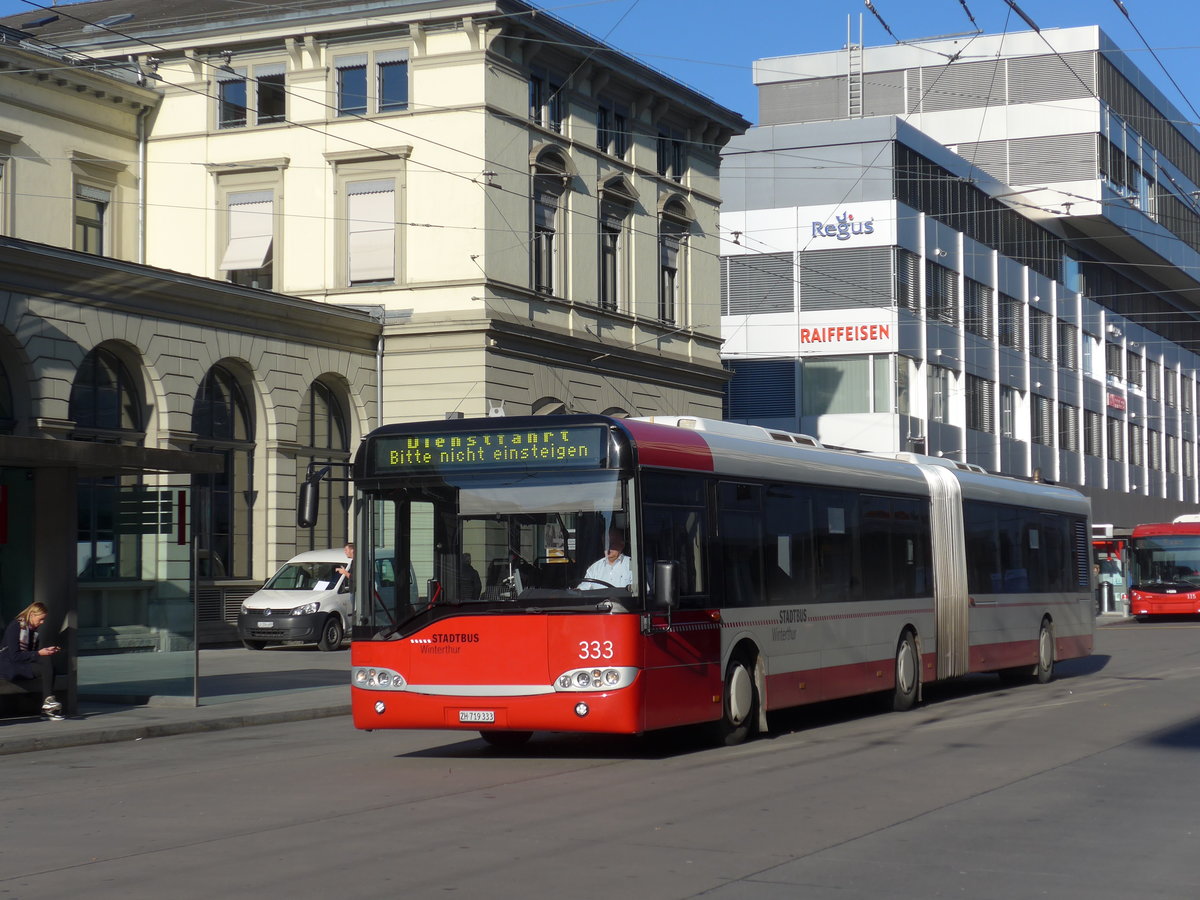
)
(55, 716)
(51, 706)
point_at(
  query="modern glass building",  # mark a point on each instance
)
(984, 247)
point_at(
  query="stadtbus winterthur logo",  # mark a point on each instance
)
(843, 227)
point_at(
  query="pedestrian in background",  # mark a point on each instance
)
(23, 659)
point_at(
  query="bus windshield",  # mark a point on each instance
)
(1166, 563)
(506, 543)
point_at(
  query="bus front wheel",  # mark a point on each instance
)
(1044, 671)
(740, 704)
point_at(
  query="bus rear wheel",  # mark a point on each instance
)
(740, 705)
(506, 740)
(1044, 670)
(908, 673)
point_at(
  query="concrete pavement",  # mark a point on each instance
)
(237, 688)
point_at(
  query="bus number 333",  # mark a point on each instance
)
(595, 650)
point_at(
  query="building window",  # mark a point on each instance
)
(1135, 445)
(1040, 334)
(324, 435)
(977, 308)
(250, 226)
(1172, 455)
(908, 267)
(1133, 366)
(224, 424)
(1112, 359)
(368, 84)
(91, 211)
(1093, 433)
(546, 100)
(1068, 427)
(271, 100)
(1153, 379)
(1116, 439)
(549, 185)
(1187, 390)
(1009, 401)
(846, 384)
(231, 99)
(1068, 346)
(612, 129)
(938, 384)
(941, 293)
(1012, 322)
(672, 246)
(371, 231)
(980, 394)
(105, 398)
(1042, 422)
(1189, 459)
(614, 215)
(1154, 447)
(671, 154)
(1091, 346)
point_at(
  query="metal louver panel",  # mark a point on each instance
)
(758, 283)
(1082, 541)
(811, 100)
(1034, 79)
(761, 388)
(846, 279)
(991, 156)
(963, 85)
(1061, 157)
(883, 93)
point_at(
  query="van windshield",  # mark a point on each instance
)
(305, 576)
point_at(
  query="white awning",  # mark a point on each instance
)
(251, 227)
(371, 230)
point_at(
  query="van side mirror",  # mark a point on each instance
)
(666, 584)
(308, 504)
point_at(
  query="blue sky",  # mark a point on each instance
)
(710, 44)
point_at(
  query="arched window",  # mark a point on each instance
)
(105, 405)
(672, 245)
(105, 398)
(549, 185)
(549, 406)
(224, 424)
(324, 438)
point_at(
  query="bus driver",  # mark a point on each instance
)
(613, 569)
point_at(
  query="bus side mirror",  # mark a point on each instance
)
(308, 504)
(666, 584)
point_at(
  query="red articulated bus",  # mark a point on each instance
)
(1165, 568)
(744, 571)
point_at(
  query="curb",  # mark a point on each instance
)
(135, 732)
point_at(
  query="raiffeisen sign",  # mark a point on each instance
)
(843, 227)
(846, 332)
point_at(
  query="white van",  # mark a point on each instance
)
(307, 600)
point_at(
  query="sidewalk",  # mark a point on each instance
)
(238, 687)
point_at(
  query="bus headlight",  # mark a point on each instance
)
(372, 679)
(608, 679)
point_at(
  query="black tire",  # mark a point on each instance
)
(1043, 671)
(908, 673)
(253, 645)
(739, 705)
(506, 740)
(331, 634)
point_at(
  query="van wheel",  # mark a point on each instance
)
(331, 634)
(253, 645)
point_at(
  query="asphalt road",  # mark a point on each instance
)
(1085, 787)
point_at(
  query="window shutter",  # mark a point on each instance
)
(251, 226)
(371, 230)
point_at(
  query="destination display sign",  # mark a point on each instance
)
(493, 450)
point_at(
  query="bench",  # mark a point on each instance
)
(20, 698)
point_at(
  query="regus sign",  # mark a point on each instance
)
(843, 227)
